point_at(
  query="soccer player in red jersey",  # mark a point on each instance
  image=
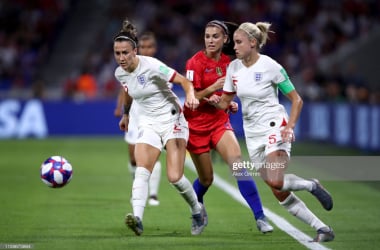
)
(209, 127)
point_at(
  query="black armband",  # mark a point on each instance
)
(126, 109)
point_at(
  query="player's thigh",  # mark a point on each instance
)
(274, 169)
(277, 157)
(146, 155)
(148, 146)
(229, 148)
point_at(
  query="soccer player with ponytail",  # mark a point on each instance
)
(161, 124)
(210, 128)
(256, 78)
(147, 46)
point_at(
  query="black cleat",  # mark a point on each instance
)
(199, 221)
(134, 223)
(324, 234)
(322, 195)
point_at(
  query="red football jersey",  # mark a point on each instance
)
(203, 72)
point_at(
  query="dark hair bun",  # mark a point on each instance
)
(228, 47)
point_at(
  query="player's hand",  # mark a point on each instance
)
(219, 83)
(123, 123)
(287, 135)
(234, 107)
(191, 102)
(213, 100)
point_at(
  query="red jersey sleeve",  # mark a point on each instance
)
(193, 72)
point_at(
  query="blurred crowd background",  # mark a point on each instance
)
(62, 49)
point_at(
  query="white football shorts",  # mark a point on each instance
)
(269, 139)
(157, 134)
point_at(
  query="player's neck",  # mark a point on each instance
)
(214, 56)
(134, 65)
(250, 60)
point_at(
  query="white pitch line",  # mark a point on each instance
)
(280, 222)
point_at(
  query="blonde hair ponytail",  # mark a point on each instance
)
(264, 28)
(258, 31)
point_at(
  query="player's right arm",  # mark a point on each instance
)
(119, 103)
(191, 101)
(201, 94)
(127, 102)
(194, 71)
(223, 102)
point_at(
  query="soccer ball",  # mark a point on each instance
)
(56, 171)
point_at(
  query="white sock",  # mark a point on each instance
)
(154, 181)
(140, 191)
(294, 183)
(298, 208)
(132, 170)
(185, 188)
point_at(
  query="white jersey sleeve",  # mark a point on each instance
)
(229, 84)
(162, 70)
(278, 73)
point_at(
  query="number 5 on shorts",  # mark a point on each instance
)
(272, 139)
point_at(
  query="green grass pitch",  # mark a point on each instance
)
(88, 213)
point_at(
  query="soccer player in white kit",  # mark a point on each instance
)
(147, 46)
(255, 78)
(161, 124)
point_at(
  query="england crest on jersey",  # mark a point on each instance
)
(258, 76)
(141, 80)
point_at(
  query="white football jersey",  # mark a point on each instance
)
(256, 87)
(148, 86)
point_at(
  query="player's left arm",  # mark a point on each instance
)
(287, 88)
(218, 84)
(296, 108)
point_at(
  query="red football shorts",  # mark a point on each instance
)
(205, 140)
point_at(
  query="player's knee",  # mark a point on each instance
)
(206, 181)
(174, 177)
(275, 184)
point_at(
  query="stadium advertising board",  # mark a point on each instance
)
(342, 124)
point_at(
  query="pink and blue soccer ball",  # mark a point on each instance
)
(56, 172)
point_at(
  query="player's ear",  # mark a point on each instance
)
(253, 43)
(226, 39)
